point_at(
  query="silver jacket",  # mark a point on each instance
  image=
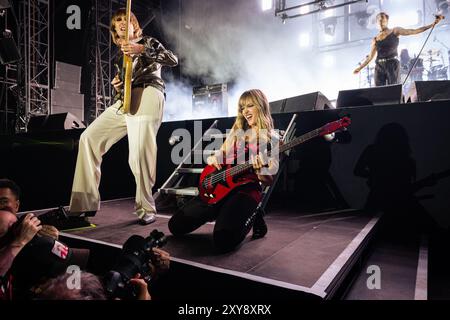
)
(147, 65)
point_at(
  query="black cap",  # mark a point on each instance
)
(44, 257)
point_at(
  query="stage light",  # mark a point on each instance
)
(362, 18)
(325, 4)
(9, 52)
(304, 40)
(442, 6)
(4, 4)
(329, 25)
(266, 5)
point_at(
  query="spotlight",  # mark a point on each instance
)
(362, 18)
(325, 4)
(9, 52)
(442, 6)
(329, 25)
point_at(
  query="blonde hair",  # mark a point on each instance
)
(122, 13)
(263, 121)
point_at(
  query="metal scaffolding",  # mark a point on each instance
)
(34, 17)
(311, 7)
(30, 79)
(100, 58)
(11, 97)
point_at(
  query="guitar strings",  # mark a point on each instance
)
(215, 178)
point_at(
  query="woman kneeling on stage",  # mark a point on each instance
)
(250, 138)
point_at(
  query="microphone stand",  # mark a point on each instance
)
(369, 79)
(417, 59)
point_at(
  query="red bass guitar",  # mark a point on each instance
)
(215, 184)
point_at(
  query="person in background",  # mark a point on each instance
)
(385, 49)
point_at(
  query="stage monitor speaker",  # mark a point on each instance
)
(422, 91)
(54, 122)
(370, 96)
(305, 102)
(277, 106)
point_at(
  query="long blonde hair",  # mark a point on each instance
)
(264, 120)
(119, 13)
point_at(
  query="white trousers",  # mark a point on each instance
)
(141, 125)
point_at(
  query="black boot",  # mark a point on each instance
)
(259, 226)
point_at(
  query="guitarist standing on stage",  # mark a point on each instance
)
(141, 123)
(234, 215)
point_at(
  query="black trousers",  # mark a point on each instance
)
(387, 72)
(233, 219)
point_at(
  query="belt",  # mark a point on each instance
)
(386, 59)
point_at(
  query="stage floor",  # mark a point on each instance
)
(304, 252)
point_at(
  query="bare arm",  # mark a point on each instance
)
(408, 32)
(373, 51)
(26, 231)
(271, 168)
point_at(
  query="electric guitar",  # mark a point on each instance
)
(127, 65)
(215, 184)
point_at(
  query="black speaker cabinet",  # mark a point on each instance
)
(435, 90)
(370, 96)
(304, 102)
(54, 122)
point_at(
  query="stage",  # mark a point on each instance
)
(319, 245)
(307, 253)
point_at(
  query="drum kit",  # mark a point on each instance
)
(430, 65)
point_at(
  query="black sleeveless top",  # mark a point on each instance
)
(387, 48)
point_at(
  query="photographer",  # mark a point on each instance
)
(24, 233)
(91, 287)
(28, 241)
(10, 201)
(141, 261)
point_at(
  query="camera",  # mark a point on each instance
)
(136, 257)
(48, 256)
(56, 217)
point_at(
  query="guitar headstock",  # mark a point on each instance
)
(334, 126)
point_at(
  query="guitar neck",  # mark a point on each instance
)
(240, 168)
(128, 19)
